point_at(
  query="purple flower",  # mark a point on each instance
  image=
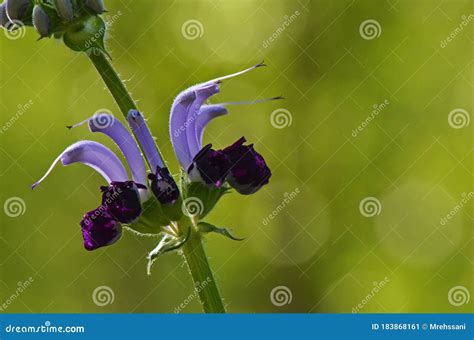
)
(241, 166)
(238, 166)
(162, 184)
(122, 199)
(248, 172)
(210, 166)
(99, 229)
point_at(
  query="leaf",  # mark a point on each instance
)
(209, 228)
(167, 244)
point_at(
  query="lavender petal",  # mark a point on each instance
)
(142, 133)
(112, 127)
(94, 155)
(206, 114)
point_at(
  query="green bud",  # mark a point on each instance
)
(64, 9)
(86, 34)
(41, 21)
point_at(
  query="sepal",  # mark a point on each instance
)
(168, 243)
(205, 227)
(202, 197)
(85, 35)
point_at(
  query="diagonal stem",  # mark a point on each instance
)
(113, 82)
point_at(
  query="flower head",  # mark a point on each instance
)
(99, 229)
(241, 166)
(208, 173)
(248, 171)
(122, 198)
(210, 166)
(163, 186)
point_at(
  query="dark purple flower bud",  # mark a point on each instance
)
(64, 9)
(209, 166)
(248, 171)
(3, 16)
(97, 6)
(41, 21)
(122, 200)
(16, 9)
(163, 186)
(99, 229)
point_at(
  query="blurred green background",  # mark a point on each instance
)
(327, 251)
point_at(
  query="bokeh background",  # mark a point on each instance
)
(326, 247)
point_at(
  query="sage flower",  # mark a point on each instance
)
(150, 202)
(123, 197)
(238, 164)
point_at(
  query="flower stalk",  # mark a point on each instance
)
(193, 250)
(113, 82)
(203, 278)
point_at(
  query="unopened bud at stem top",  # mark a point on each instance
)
(97, 6)
(3, 16)
(41, 21)
(17, 9)
(65, 9)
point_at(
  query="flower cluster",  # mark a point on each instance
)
(77, 22)
(240, 165)
(146, 197)
(151, 202)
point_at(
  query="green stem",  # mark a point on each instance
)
(193, 250)
(115, 86)
(203, 278)
(113, 82)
